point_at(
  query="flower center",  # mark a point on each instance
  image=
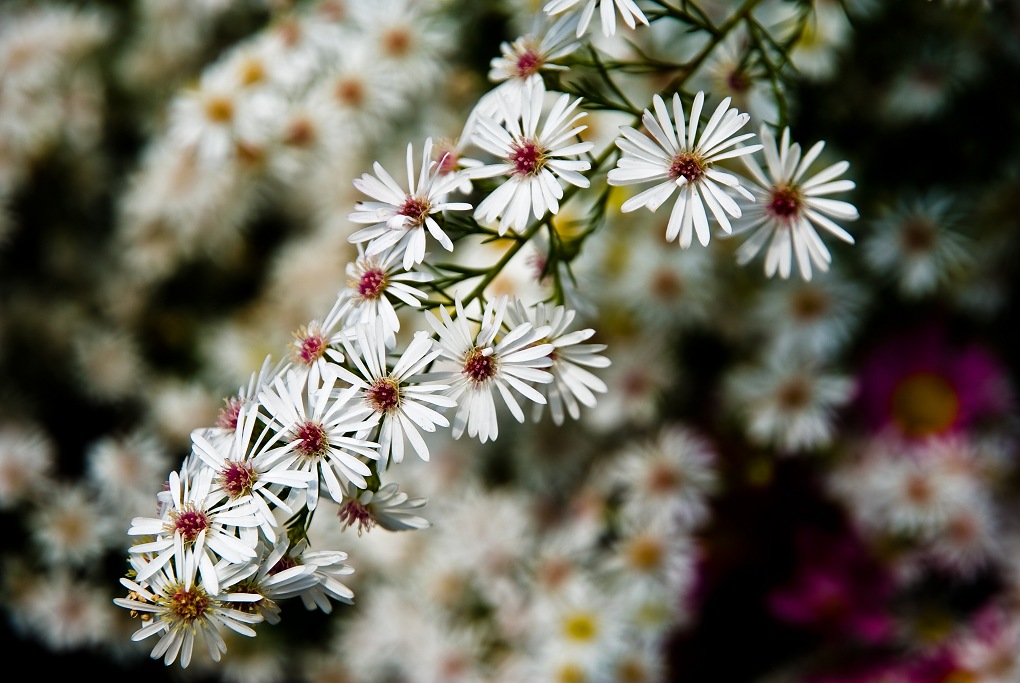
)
(350, 92)
(219, 109)
(738, 81)
(227, 418)
(784, 203)
(384, 395)
(187, 605)
(353, 513)
(528, 62)
(372, 283)
(918, 235)
(189, 520)
(237, 478)
(311, 438)
(416, 209)
(527, 157)
(397, 42)
(300, 133)
(809, 304)
(308, 345)
(580, 626)
(688, 166)
(925, 403)
(645, 554)
(795, 394)
(479, 365)
(445, 155)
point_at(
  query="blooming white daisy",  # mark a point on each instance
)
(276, 577)
(478, 364)
(571, 384)
(629, 12)
(329, 569)
(127, 470)
(246, 468)
(318, 428)
(372, 281)
(181, 607)
(199, 518)
(27, 459)
(399, 219)
(531, 159)
(524, 58)
(315, 346)
(389, 507)
(680, 159)
(402, 398)
(789, 209)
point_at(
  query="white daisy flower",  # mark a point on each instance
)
(181, 607)
(401, 397)
(315, 346)
(680, 159)
(330, 567)
(318, 428)
(478, 364)
(789, 209)
(371, 283)
(196, 516)
(276, 577)
(399, 219)
(629, 12)
(27, 461)
(524, 58)
(246, 468)
(572, 384)
(530, 159)
(389, 507)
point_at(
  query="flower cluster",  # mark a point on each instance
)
(511, 403)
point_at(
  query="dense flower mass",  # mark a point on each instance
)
(273, 413)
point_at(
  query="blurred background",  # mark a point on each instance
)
(175, 180)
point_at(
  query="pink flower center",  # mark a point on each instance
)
(447, 158)
(738, 81)
(308, 345)
(311, 438)
(479, 366)
(416, 209)
(784, 203)
(372, 283)
(353, 513)
(527, 157)
(688, 166)
(190, 521)
(227, 418)
(237, 478)
(286, 562)
(528, 62)
(384, 395)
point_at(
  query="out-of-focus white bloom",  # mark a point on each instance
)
(814, 317)
(643, 370)
(666, 479)
(730, 71)
(676, 156)
(788, 403)
(172, 596)
(629, 12)
(925, 85)
(127, 470)
(531, 159)
(70, 527)
(915, 244)
(404, 398)
(27, 458)
(478, 364)
(398, 219)
(318, 427)
(788, 210)
(572, 385)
